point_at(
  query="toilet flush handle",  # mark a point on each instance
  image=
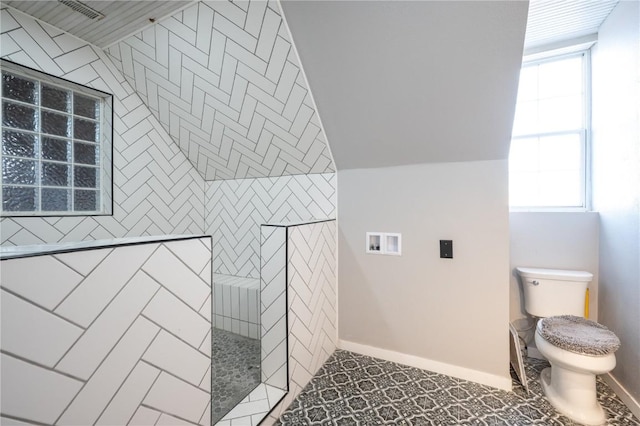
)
(535, 282)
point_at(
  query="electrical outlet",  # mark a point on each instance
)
(446, 249)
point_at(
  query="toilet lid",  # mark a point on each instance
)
(579, 335)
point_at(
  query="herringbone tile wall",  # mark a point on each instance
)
(224, 81)
(310, 275)
(273, 305)
(237, 208)
(112, 336)
(298, 302)
(156, 190)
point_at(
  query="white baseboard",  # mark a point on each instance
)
(483, 378)
(623, 394)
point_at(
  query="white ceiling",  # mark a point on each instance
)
(553, 21)
(122, 18)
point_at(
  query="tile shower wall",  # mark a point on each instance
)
(303, 256)
(236, 209)
(156, 190)
(224, 81)
(237, 305)
(113, 336)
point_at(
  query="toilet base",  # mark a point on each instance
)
(560, 385)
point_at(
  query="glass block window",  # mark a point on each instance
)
(56, 146)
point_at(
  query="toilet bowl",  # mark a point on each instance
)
(576, 348)
(570, 382)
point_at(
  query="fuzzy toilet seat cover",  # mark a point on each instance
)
(579, 335)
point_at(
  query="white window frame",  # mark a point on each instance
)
(105, 144)
(584, 132)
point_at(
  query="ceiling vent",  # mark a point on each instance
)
(83, 9)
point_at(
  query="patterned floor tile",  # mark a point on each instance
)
(353, 389)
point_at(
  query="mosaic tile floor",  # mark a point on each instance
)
(353, 389)
(235, 370)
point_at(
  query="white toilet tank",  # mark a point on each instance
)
(549, 292)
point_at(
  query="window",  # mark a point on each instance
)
(56, 146)
(549, 150)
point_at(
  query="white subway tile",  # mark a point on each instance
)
(254, 331)
(227, 323)
(205, 310)
(244, 328)
(235, 302)
(104, 383)
(206, 417)
(219, 322)
(174, 396)
(205, 347)
(274, 335)
(226, 301)
(235, 33)
(6, 421)
(33, 333)
(85, 356)
(205, 383)
(253, 307)
(124, 405)
(174, 356)
(174, 315)
(76, 58)
(229, 10)
(193, 252)
(86, 302)
(246, 409)
(243, 304)
(144, 417)
(9, 46)
(8, 23)
(41, 279)
(33, 393)
(274, 312)
(169, 271)
(268, 33)
(167, 420)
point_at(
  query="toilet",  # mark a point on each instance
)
(577, 349)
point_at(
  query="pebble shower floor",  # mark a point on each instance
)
(235, 370)
(353, 389)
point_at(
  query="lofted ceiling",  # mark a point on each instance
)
(397, 82)
(405, 82)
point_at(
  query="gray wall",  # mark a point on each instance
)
(558, 240)
(616, 117)
(436, 78)
(452, 311)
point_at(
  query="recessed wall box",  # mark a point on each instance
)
(384, 243)
(374, 242)
(393, 244)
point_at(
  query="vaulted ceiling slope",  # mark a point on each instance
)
(412, 82)
(223, 79)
